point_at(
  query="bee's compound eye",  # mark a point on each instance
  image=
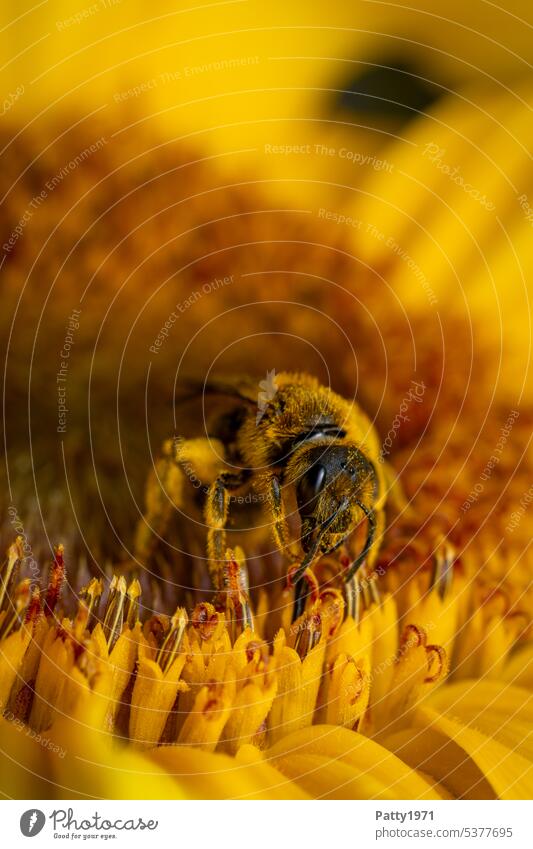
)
(310, 486)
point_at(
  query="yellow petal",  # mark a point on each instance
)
(211, 710)
(298, 686)
(311, 757)
(413, 678)
(431, 753)
(498, 710)
(12, 651)
(56, 664)
(347, 692)
(384, 625)
(435, 615)
(519, 668)
(153, 695)
(24, 772)
(120, 662)
(509, 774)
(352, 639)
(30, 663)
(207, 775)
(96, 766)
(249, 711)
(484, 646)
(285, 715)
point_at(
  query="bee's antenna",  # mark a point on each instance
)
(371, 516)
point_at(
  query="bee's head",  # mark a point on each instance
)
(335, 489)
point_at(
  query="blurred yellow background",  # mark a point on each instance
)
(260, 88)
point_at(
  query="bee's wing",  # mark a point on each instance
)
(244, 388)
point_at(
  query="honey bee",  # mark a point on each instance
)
(295, 443)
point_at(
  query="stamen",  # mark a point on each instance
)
(35, 608)
(352, 589)
(308, 635)
(413, 637)
(214, 702)
(356, 689)
(364, 585)
(172, 641)
(132, 603)
(243, 570)
(236, 603)
(205, 620)
(81, 621)
(373, 587)
(437, 657)
(15, 615)
(253, 647)
(114, 613)
(155, 628)
(15, 554)
(495, 601)
(91, 595)
(442, 574)
(258, 652)
(55, 581)
(332, 610)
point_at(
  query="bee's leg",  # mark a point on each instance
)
(300, 597)
(280, 527)
(216, 516)
(281, 537)
(163, 494)
(181, 461)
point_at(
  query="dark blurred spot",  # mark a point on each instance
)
(394, 93)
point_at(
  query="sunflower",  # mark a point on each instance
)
(420, 690)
